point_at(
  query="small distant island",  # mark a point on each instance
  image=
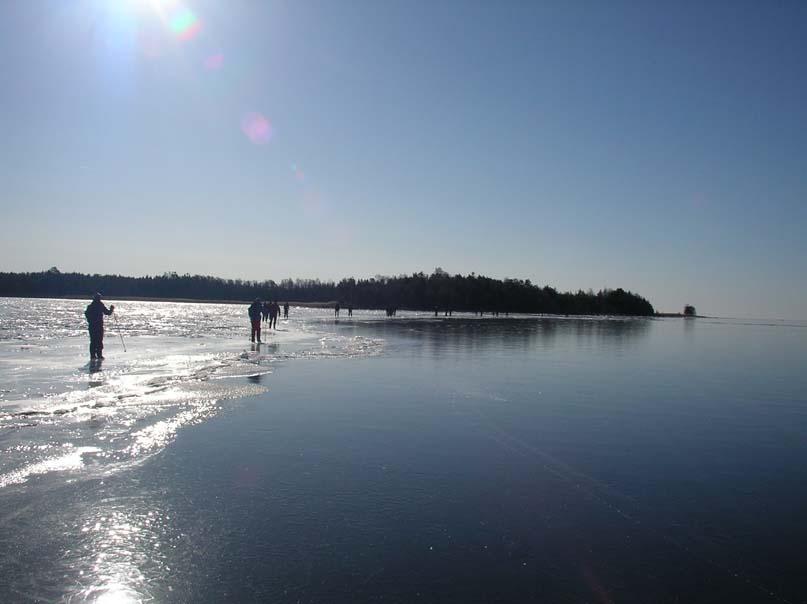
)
(689, 313)
(438, 292)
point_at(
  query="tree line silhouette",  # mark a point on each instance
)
(439, 291)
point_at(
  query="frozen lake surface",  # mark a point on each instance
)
(398, 460)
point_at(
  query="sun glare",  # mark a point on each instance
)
(174, 15)
(169, 11)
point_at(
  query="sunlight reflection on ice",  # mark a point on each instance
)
(70, 461)
(183, 362)
(121, 551)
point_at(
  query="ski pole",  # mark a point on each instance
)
(117, 328)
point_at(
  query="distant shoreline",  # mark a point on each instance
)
(440, 290)
(331, 304)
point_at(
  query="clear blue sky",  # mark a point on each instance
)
(657, 147)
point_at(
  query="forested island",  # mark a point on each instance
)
(439, 291)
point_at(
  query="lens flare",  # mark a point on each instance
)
(185, 24)
(299, 175)
(214, 62)
(257, 128)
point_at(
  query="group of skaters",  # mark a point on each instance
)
(268, 312)
(336, 309)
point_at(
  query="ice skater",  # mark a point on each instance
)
(254, 312)
(95, 322)
(274, 311)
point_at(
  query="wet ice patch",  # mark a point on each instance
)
(61, 414)
(73, 459)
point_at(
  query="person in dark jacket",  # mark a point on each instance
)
(95, 322)
(254, 312)
(274, 310)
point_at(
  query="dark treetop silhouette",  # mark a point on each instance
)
(415, 292)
